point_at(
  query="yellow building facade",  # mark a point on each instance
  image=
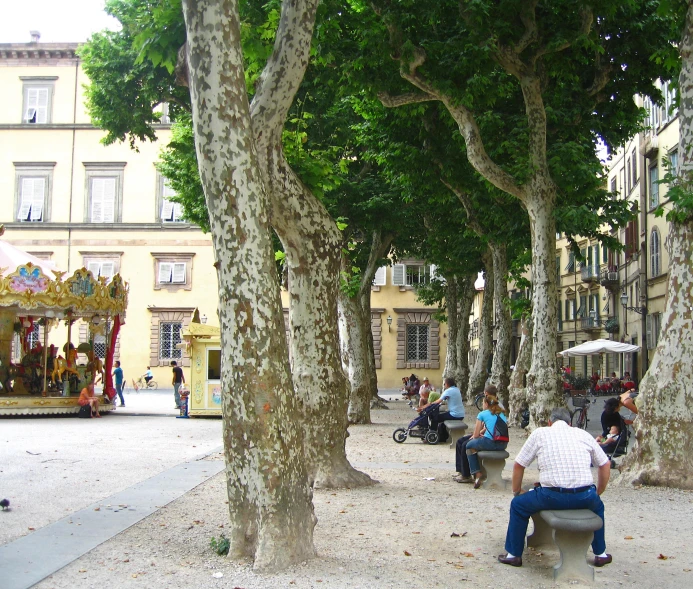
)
(70, 199)
(622, 295)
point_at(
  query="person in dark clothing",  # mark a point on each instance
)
(178, 380)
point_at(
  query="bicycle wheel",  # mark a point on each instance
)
(479, 402)
(582, 419)
(152, 385)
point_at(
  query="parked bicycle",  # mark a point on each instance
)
(140, 383)
(578, 417)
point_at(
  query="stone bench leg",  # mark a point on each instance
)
(492, 472)
(573, 563)
(542, 534)
(455, 434)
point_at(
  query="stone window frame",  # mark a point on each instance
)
(173, 258)
(417, 316)
(104, 170)
(34, 170)
(100, 257)
(29, 82)
(377, 333)
(182, 315)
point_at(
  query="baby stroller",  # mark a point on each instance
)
(621, 446)
(420, 427)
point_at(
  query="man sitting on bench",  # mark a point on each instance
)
(564, 455)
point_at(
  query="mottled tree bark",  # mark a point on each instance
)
(477, 379)
(271, 514)
(661, 454)
(500, 369)
(357, 308)
(466, 294)
(451, 369)
(542, 379)
(312, 243)
(518, 391)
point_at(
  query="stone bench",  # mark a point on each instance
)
(492, 463)
(456, 428)
(572, 531)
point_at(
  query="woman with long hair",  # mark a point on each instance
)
(482, 438)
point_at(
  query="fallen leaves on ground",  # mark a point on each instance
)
(628, 538)
(467, 554)
(662, 557)
(407, 553)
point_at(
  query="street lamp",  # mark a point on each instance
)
(389, 322)
(624, 303)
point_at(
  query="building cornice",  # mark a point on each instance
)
(62, 127)
(38, 53)
(104, 226)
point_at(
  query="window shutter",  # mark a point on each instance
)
(98, 187)
(165, 270)
(27, 199)
(432, 271)
(38, 190)
(109, 200)
(380, 276)
(649, 333)
(107, 269)
(94, 268)
(178, 273)
(398, 274)
(177, 212)
(167, 211)
(42, 105)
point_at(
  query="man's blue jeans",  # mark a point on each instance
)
(119, 390)
(523, 506)
(480, 444)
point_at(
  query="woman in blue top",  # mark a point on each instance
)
(482, 438)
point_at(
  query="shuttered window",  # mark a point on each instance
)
(171, 212)
(103, 199)
(172, 272)
(37, 104)
(32, 199)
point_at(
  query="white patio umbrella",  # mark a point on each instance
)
(599, 346)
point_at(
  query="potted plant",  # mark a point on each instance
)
(578, 384)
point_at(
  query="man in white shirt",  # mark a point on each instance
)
(564, 456)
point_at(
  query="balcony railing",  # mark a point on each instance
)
(609, 277)
(589, 273)
(591, 323)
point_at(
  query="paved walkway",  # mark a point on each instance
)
(32, 558)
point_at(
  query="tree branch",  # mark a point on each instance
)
(283, 72)
(463, 197)
(390, 101)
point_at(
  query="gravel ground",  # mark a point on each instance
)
(397, 534)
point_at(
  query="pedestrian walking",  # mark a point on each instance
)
(118, 374)
(178, 380)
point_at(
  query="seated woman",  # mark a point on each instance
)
(87, 397)
(467, 462)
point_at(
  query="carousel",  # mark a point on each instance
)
(42, 370)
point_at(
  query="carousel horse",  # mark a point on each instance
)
(94, 366)
(59, 367)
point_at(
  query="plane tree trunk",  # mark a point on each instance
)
(518, 389)
(664, 427)
(500, 369)
(479, 374)
(270, 508)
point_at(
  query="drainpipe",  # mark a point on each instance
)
(643, 266)
(72, 169)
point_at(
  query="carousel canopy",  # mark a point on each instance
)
(39, 288)
(12, 257)
(599, 346)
